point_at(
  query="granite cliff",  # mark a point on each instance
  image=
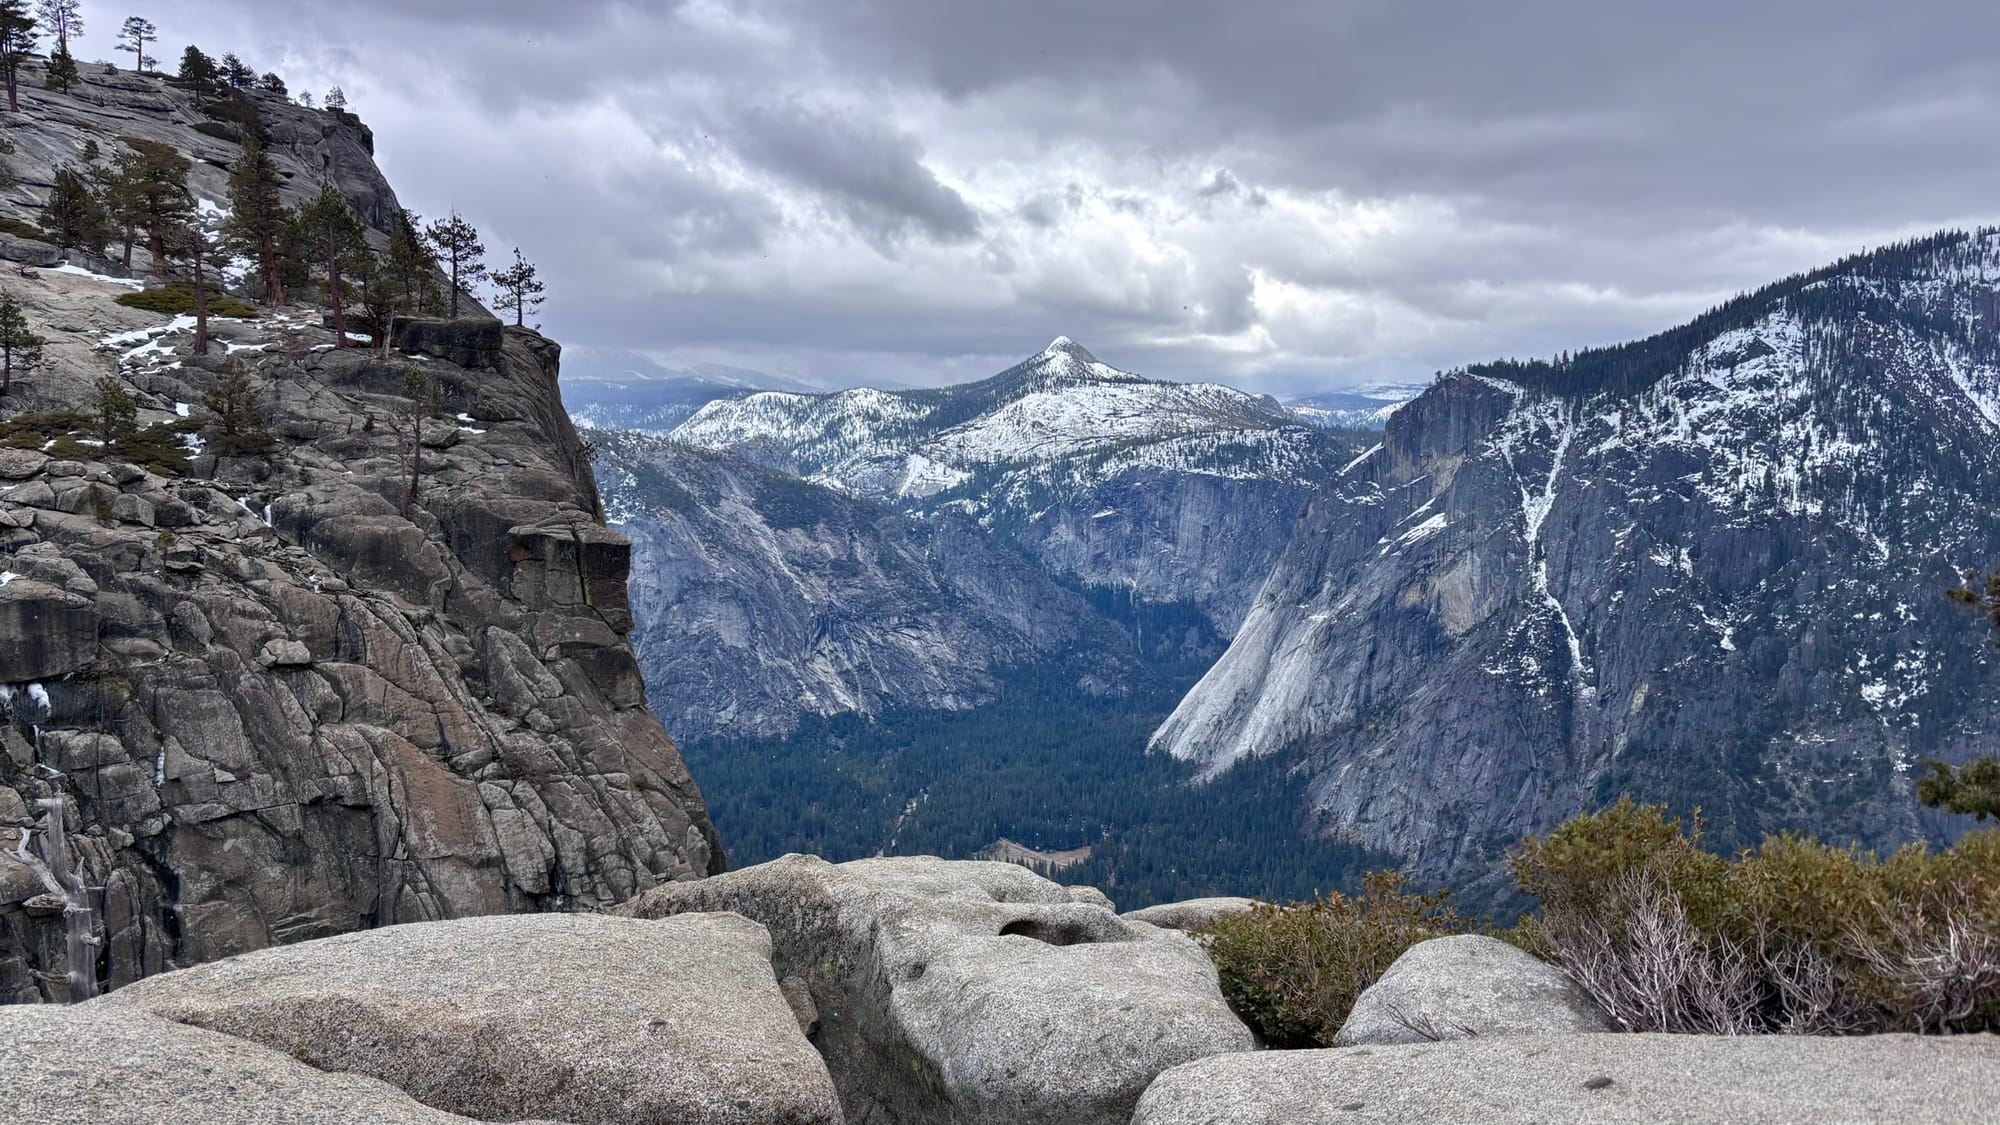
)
(272, 698)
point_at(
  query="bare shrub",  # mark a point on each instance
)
(1796, 937)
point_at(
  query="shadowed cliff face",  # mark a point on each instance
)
(1705, 569)
(275, 700)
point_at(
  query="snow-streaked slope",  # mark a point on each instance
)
(1706, 568)
(1061, 404)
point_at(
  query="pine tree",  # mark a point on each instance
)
(237, 74)
(149, 185)
(198, 71)
(238, 428)
(335, 99)
(422, 392)
(457, 245)
(519, 288)
(18, 38)
(137, 32)
(75, 213)
(62, 19)
(272, 84)
(197, 243)
(306, 98)
(20, 348)
(117, 415)
(62, 72)
(411, 267)
(330, 236)
(1971, 790)
(257, 215)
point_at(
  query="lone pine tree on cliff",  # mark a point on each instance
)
(137, 32)
(519, 288)
(18, 37)
(460, 251)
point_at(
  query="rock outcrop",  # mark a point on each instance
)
(1466, 986)
(278, 698)
(567, 1017)
(969, 993)
(1191, 914)
(1608, 1079)
(90, 1065)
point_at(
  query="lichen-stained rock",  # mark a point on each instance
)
(279, 698)
(1602, 1079)
(569, 1017)
(967, 993)
(91, 1065)
(1464, 986)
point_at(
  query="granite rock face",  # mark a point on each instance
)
(567, 1017)
(91, 1065)
(1624, 1079)
(1705, 569)
(1466, 986)
(968, 993)
(761, 598)
(278, 699)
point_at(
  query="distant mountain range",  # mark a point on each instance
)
(1366, 407)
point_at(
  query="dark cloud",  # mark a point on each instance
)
(1282, 192)
(873, 175)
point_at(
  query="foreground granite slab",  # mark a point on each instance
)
(1604, 1079)
(583, 1018)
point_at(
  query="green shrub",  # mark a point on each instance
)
(1795, 937)
(1293, 972)
(178, 300)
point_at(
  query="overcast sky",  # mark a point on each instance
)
(1282, 194)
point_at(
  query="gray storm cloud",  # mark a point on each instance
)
(1283, 193)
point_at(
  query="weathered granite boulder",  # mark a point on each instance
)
(471, 343)
(93, 1065)
(1602, 1079)
(1464, 986)
(31, 251)
(963, 993)
(1192, 914)
(574, 1017)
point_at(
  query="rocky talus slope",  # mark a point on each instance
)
(271, 700)
(1705, 569)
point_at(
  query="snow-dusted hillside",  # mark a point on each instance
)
(1706, 568)
(1177, 492)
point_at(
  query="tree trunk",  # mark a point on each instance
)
(156, 245)
(339, 305)
(131, 236)
(454, 286)
(200, 301)
(13, 87)
(6, 371)
(416, 456)
(274, 282)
